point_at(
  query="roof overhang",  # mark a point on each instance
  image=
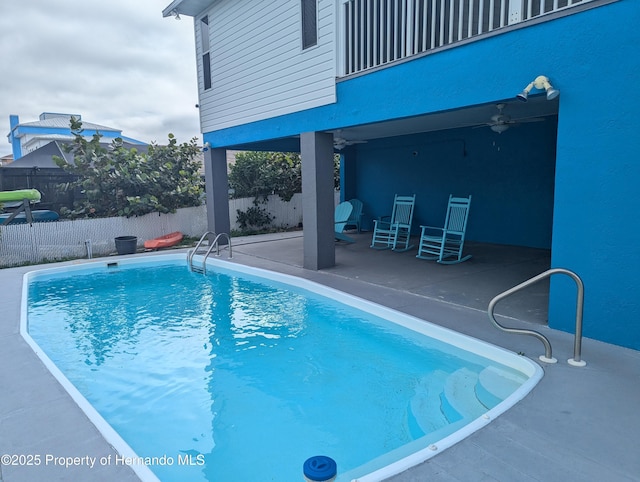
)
(474, 116)
(190, 8)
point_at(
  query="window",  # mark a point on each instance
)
(206, 59)
(206, 70)
(309, 23)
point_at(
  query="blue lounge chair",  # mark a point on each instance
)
(445, 244)
(396, 232)
(356, 214)
(341, 216)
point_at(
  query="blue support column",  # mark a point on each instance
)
(217, 187)
(317, 200)
(14, 121)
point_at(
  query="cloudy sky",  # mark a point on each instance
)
(117, 63)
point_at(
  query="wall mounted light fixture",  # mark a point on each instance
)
(175, 14)
(541, 82)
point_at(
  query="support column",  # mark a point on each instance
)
(217, 190)
(316, 149)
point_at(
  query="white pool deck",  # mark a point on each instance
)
(578, 424)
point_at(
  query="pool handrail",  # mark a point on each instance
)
(547, 357)
(217, 244)
(193, 251)
(214, 244)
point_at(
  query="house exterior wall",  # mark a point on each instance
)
(591, 58)
(597, 173)
(254, 47)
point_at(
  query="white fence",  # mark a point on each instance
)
(24, 243)
(286, 214)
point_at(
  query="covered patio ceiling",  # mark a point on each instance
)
(474, 116)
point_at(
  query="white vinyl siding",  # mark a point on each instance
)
(258, 67)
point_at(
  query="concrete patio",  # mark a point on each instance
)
(578, 424)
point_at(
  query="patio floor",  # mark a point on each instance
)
(578, 424)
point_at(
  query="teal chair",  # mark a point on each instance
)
(356, 215)
(396, 232)
(341, 217)
(445, 244)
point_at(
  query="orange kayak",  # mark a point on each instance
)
(165, 241)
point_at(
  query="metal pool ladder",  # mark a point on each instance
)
(547, 357)
(207, 250)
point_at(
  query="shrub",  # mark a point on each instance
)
(254, 219)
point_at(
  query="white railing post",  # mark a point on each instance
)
(376, 33)
(408, 22)
(342, 48)
(515, 11)
(460, 35)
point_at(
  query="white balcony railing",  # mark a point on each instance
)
(376, 32)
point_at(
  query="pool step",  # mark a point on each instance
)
(459, 398)
(423, 413)
(494, 385)
(197, 268)
(442, 398)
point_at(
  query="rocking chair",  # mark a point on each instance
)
(445, 244)
(396, 232)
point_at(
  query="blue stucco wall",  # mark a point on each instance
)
(596, 231)
(591, 57)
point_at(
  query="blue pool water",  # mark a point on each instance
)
(232, 376)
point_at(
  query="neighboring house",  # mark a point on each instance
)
(419, 96)
(43, 156)
(29, 136)
(34, 146)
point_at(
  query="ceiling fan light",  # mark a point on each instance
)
(499, 128)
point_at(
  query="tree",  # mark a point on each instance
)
(118, 181)
(260, 174)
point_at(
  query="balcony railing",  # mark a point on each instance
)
(377, 32)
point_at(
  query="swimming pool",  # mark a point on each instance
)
(182, 381)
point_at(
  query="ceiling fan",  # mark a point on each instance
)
(340, 142)
(500, 122)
